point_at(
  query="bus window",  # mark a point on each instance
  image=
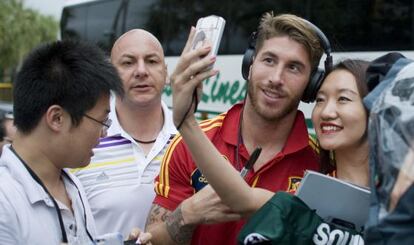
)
(73, 23)
(362, 29)
(100, 29)
(353, 25)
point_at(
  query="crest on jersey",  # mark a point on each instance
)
(293, 185)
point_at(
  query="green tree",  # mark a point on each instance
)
(21, 29)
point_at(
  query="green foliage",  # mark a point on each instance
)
(21, 30)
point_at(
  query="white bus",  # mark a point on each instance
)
(362, 29)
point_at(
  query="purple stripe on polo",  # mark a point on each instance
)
(111, 138)
(113, 144)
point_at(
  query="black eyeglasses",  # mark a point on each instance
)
(107, 123)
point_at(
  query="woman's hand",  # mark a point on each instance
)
(191, 70)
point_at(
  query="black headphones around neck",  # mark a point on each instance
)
(317, 74)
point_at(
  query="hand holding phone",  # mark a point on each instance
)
(209, 28)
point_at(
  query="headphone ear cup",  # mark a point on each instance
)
(315, 82)
(247, 61)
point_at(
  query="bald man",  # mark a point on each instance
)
(119, 180)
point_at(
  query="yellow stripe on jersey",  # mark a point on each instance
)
(209, 121)
(214, 125)
(162, 186)
(98, 165)
(255, 181)
(314, 144)
(158, 158)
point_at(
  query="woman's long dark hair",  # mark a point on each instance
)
(358, 69)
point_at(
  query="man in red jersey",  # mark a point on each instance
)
(287, 52)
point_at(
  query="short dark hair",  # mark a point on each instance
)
(71, 74)
(293, 27)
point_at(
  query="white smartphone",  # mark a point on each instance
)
(209, 28)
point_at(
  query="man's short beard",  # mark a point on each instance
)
(271, 117)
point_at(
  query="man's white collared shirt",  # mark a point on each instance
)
(119, 181)
(28, 215)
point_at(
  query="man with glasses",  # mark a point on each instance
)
(60, 87)
(119, 180)
(106, 123)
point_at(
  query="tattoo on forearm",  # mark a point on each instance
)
(157, 214)
(179, 232)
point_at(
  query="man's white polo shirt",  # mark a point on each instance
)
(27, 214)
(119, 181)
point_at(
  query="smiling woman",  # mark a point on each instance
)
(340, 121)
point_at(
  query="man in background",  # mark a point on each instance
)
(119, 180)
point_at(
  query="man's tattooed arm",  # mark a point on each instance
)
(178, 230)
(168, 227)
(157, 214)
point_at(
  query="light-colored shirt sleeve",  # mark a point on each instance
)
(8, 221)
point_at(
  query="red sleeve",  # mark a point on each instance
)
(173, 184)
